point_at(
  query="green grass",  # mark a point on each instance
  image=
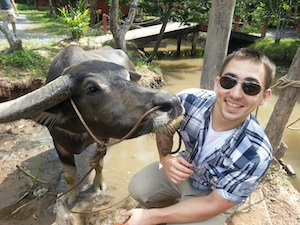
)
(35, 58)
(283, 51)
(27, 60)
(42, 22)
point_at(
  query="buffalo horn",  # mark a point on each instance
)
(39, 100)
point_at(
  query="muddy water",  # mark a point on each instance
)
(128, 157)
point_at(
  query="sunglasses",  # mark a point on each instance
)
(250, 88)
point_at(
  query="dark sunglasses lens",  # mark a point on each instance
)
(227, 82)
(251, 88)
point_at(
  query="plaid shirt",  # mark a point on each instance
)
(235, 169)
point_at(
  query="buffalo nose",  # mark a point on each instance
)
(169, 103)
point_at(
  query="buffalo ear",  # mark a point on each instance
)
(134, 76)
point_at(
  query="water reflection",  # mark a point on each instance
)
(181, 74)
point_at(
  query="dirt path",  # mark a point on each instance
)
(23, 25)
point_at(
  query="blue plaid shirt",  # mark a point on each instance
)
(235, 169)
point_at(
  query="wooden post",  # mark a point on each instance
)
(298, 28)
(104, 21)
(217, 41)
(194, 43)
(179, 38)
(237, 22)
(284, 106)
(264, 27)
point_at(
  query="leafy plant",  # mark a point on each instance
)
(77, 18)
(190, 11)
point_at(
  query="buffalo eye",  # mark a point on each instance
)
(92, 90)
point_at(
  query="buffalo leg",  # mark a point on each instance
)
(68, 162)
(97, 164)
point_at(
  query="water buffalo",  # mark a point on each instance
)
(109, 103)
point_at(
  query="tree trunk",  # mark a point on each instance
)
(93, 5)
(117, 32)
(218, 34)
(160, 36)
(52, 9)
(179, 39)
(284, 106)
(264, 27)
(14, 43)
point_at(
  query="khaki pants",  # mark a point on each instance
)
(152, 189)
(8, 16)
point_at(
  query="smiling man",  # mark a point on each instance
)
(227, 152)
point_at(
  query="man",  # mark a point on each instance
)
(227, 152)
(9, 12)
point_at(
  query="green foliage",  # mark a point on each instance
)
(23, 7)
(76, 18)
(285, 50)
(25, 59)
(253, 9)
(190, 11)
(279, 13)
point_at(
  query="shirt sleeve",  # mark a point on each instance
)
(245, 173)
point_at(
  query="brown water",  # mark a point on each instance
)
(128, 157)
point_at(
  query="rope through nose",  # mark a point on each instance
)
(138, 123)
(102, 143)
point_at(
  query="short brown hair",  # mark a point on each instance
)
(248, 53)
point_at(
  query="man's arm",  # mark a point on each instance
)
(193, 209)
(14, 6)
(164, 143)
(176, 167)
(190, 210)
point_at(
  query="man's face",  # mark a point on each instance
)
(233, 105)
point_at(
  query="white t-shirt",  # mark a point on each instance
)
(214, 140)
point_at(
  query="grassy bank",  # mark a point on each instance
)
(282, 52)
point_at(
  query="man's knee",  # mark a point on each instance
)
(135, 188)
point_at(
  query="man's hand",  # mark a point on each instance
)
(176, 168)
(138, 217)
